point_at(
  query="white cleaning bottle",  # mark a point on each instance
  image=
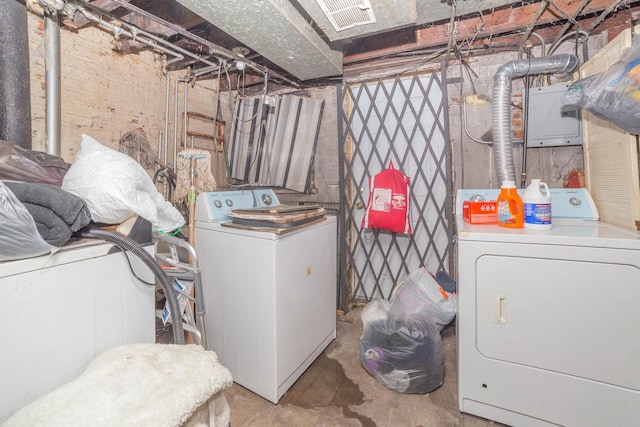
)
(537, 206)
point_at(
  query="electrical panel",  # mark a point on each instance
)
(549, 123)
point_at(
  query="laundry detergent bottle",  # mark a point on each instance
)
(537, 206)
(509, 206)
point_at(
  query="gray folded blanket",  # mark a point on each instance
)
(57, 213)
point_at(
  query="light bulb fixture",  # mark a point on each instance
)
(241, 51)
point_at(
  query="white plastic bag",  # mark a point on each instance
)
(116, 188)
(19, 237)
(613, 94)
(420, 292)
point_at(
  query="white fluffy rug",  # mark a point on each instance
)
(132, 385)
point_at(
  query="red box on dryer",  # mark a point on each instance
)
(479, 212)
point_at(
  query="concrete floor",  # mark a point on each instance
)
(337, 391)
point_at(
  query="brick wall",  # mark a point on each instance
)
(105, 94)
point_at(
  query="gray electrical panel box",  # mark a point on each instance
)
(549, 123)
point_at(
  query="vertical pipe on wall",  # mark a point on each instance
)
(185, 117)
(175, 125)
(166, 116)
(15, 90)
(52, 81)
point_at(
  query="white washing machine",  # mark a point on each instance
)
(58, 312)
(549, 321)
(270, 298)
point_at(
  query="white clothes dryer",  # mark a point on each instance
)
(548, 320)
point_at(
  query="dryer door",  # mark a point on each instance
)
(572, 310)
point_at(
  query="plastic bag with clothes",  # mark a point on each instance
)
(401, 344)
(613, 95)
(116, 188)
(402, 353)
(19, 236)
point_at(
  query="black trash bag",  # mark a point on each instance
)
(18, 164)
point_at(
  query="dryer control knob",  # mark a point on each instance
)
(267, 199)
(217, 204)
(575, 201)
(229, 202)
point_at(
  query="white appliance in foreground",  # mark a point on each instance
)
(270, 298)
(58, 312)
(549, 320)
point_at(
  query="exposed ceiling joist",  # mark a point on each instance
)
(295, 37)
(430, 11)
(489, 25)
(277, 31)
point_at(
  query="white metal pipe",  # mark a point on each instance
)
(218, 50)
(175, 124)
(166, 115)
(184, 118)
(215, 113)
(119, 32)
(52, 82)
(159, 147)
(147, 38)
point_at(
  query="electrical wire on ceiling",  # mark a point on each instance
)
(569, 18)
(424, 61)
(579, 37)
(529, 29)
(568, 24)
(609, 9)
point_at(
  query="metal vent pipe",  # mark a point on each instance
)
(501, 107)
(15, 88)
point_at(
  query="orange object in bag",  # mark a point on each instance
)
(388, 204)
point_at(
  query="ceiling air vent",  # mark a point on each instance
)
(344, 14)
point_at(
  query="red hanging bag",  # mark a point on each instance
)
(388, 205)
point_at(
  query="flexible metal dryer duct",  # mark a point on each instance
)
(563, 63)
